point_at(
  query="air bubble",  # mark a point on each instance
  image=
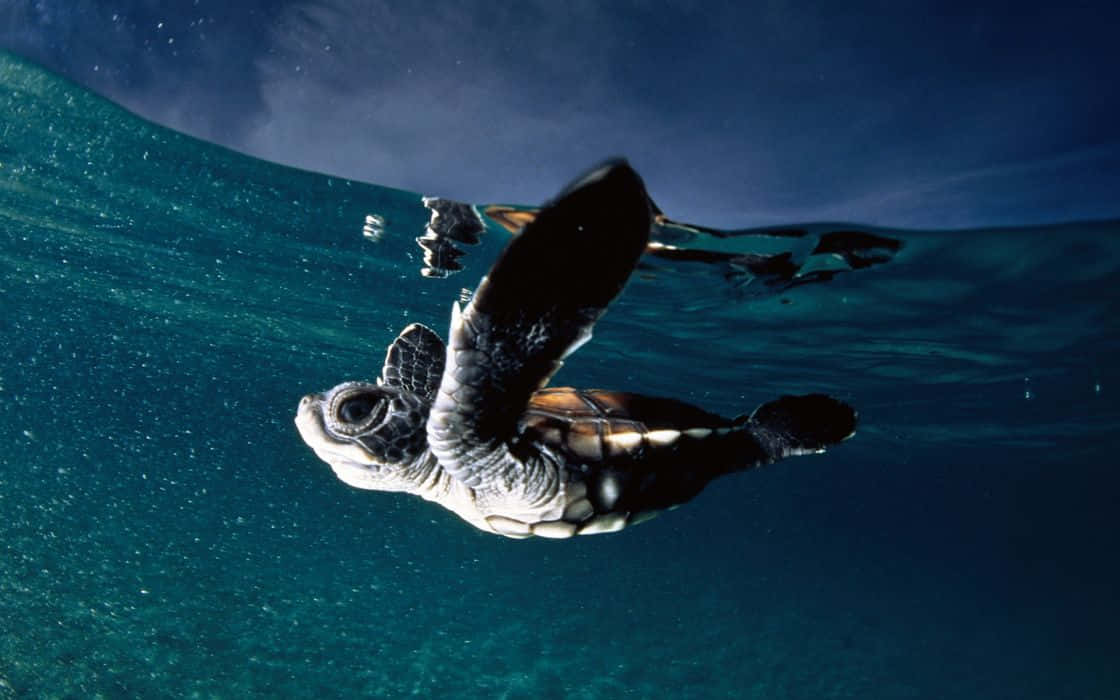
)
(374, 227)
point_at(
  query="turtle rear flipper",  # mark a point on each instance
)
(797, 425)
(537, 304)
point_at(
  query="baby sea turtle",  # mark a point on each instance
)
(471, 426)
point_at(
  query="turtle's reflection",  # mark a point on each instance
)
(451, 222)
(769, 260)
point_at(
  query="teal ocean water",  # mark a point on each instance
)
(164, 532)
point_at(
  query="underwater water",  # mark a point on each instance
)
(164, 532)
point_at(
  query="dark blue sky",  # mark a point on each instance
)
(930, 114)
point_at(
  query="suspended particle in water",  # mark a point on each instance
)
(1027, 393)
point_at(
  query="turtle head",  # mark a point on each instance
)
(372, 435)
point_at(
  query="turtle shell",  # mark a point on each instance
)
(626, 456)
(594, 426)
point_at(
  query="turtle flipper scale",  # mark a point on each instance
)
(536, 305)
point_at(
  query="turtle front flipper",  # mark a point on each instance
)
(414, 361)
(537, 304)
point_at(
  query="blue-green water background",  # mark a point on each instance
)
(164, 532)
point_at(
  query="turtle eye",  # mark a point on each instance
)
(357, 408)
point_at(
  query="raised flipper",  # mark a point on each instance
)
(414, 361)
(538, 304)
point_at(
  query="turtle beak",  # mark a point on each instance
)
(309, 419)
